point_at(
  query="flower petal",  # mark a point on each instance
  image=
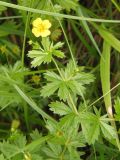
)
(46, 24)
(37, 22)
(45, 33)
(36, 32)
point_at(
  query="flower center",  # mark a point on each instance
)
(41, 28)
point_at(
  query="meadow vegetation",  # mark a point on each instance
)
(59, 79)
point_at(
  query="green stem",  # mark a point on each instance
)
(73, 59)
(10, 17)
(58, 68)
(97, 100)
(74, 107)
(64, 149)
(23, 55)
(25, 33)
(24, 41)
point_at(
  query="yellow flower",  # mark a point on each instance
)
(41, 27)
(36, 79)
(3, 49)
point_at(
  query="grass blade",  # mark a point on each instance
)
(109, 38)
(33, 104)
(116, 5)
(56, 14)
(105, 80)
(105, 76)
(87, 29)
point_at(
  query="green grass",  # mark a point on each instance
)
(56, 14)
(59, 94)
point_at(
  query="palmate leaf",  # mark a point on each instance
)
(46, 53)
(20, 141)
(93, 124)
(8, 149)
(39, 57)
(52, 151)
(77, 140)
(73, 82)
(49, 89)
(107, 130)
(35, 134)
(60, 108)
(90, 127)
(73, 154)
(14, 146)
(70, 127)
(68, 121)
(9, 76)
(36, 157)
